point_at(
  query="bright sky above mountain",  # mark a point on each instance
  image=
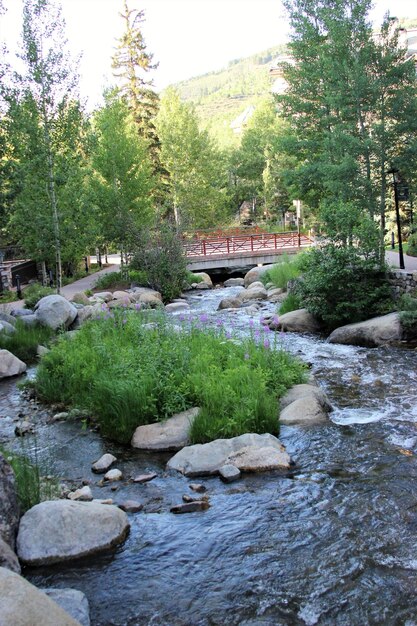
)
(187, 37)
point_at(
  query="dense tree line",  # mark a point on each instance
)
(71, 181)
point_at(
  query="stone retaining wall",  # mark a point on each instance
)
(403, 282)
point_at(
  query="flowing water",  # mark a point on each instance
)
(332, 542)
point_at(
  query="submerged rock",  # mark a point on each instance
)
(169, 435)
(249, 453)
(22, 604)
(83, 495)
(61, 530)
(378, 331)
(304, 405)
(190, 507)
(72, 601)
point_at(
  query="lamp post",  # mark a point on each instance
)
(396, 180)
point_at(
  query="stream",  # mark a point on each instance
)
(332, 542)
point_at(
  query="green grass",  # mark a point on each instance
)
(24, 342)
(116, 280)
(31, 486)
(125, 373)
(282, 272)
(291, 303)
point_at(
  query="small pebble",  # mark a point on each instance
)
(198, 487)
(144, 478)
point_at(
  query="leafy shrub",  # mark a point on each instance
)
(412, 245)
(127, 374)
(340, 286)
(291, 303)
(161, 256)
(193, 278)
(25, 340)
(116, 280)
(408, 316)
(33, 293)
(282, 272)
(8, 296)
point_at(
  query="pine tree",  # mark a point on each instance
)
(131, 64)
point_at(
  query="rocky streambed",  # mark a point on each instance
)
(329, 541)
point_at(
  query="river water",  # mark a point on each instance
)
(332, 542)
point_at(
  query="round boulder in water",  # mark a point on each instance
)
(61, 530)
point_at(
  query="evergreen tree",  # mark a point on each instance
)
(131, 64)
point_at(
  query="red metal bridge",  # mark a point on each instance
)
(245, 248)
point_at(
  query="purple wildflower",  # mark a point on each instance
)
(247, 356)
(266, 343)
(204, 318)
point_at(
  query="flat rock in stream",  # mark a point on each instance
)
(249, 453)
(169, 435)
(61, 530)
(104, 463)
(378, 331)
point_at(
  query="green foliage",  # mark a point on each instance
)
(193, 278)
(292, 302)
(340, 286)
(25, 340)
(116, 279)
(351, 106)
(280, 273)
(8, 296)
(412, 245)
(407, 306)
(126, 373)
(34, 292)
(160, 255)
(31, 486)
(197, 179)
(122, 181)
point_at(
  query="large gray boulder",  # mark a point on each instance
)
(255, 274)
(175, 307)
(172, 434)
(378, 331)
(7, 328)
(249, 453)
(72, 601)
(22, 604)
(304, 405)
(234, 282)
(9, 505)
(253, 293)
(61, 530)
(55, 312)
(229, 303)
(6, 317)
(8, 558)
(305, 391)
(205, 278)
(10, 365)
(299, 321)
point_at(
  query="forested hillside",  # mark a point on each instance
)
(220, 97)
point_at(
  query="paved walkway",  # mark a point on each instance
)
(68, 291)
(393, 258)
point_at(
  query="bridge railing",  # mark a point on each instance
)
(245, 244)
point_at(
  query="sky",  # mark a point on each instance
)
(186, 37)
